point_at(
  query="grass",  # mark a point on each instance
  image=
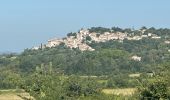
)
(124, 92)
(102, 81)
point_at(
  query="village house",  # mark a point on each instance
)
(167, 42)
(114, 36)
(134, 38)
(150, 74)
(144, 36)
(136, 58)
(143, 31)
(84, 47)
(71, 42)
(156, 37)
(84, 32)
(93, 36)
(137, 38)
(35, 48)
(54, 42)
(149, 34)
(121, 35)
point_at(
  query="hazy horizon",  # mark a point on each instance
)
(24, 24)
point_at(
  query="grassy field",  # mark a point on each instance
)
(124, 92)
(13, 94)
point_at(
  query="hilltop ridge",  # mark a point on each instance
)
(82, 38)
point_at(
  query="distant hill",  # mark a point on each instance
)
(101, 51)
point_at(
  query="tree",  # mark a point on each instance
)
(72, 34)
(88, 38)
(143, 28)
(157, 90)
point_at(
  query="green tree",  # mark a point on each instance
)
(157, 90)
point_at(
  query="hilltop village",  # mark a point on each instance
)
(81, 39)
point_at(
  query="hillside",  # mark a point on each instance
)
(105, 51)
(91, 63)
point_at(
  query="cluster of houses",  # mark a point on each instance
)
(79, 41)
(149, 35)
(107, 36)
(72, 41)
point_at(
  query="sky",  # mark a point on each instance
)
(28, 23)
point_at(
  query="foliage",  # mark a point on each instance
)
(72, 34)
(156, 90)
(88, 38)
(99, 30)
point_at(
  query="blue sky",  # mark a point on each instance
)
(25, 23)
